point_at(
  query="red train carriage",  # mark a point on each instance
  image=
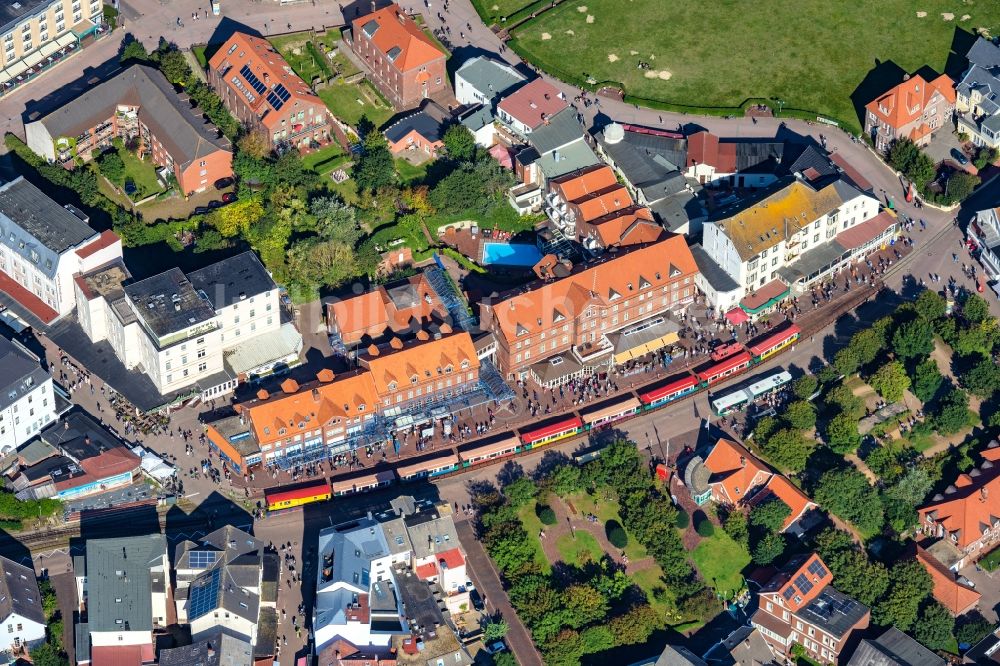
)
(773, 342)
(552, 432)
(678, 387)
(728, 367)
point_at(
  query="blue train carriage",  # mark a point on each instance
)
(428, 467)
(739, 398)
(482, 452)
(610, 411)
(676, 388)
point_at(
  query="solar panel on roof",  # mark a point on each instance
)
(788, 593)
(803, 584)
(203, 559)
(817, 568)
(252, 80)
(203, 595)
(282, 92)
(277, 97)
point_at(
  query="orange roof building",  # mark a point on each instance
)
(259, 87)
(954, 596)
(914, 109)
(736, 473)
(399, 308)
(968, 512)
(796, 500)
(570, 316)
(404, 63)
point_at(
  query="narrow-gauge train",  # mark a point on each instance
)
(728, 361)
(736, 400)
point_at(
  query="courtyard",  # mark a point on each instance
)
(685, 55)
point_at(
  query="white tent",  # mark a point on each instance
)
(153, 465)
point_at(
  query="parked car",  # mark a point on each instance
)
(201, 210)
(476, 599)
(959, 156)
(223, 183)
(214, 204)
(228, 197)
(495, 647)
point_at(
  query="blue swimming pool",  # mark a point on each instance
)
(510, 254)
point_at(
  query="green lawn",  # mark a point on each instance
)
(532, 525)
(409, 173)
(606, 511)
(579, 550)
(350, 101)
(326, 159)
(493, 10)
(142, 173)
(720, 561)
(812, 54)
(200, 56)
(991, 561)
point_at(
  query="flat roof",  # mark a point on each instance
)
(37, 214)
(168, 303)
(13, 13)
(232, 280)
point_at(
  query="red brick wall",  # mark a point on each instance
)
(217, 165)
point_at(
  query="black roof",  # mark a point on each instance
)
(649, 162)
(834, 612)
(168, 303)
(428, 122)
(894, 648)
(798, 158)
(232, 280)
(23, 372)
(14, 12)
(711, 271)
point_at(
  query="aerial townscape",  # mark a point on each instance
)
(499, 333)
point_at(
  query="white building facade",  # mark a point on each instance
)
(27, 401)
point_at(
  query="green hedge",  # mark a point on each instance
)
(545, 514)
(616, 534)
(683, 519)
(705, 528)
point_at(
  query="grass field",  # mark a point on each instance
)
(720, 560)
(142, 173)
(350, 101)
(812, 54)
(410, 174)
(580, 550)
(532, 525)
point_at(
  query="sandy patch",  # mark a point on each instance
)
(947, 16)
(546, 36)
(965, 17)
(590, 18)
(495, 8)
(921, 14)
(663, 75)
(650, 73)
(612, 57)
(582, 9)
(570, 32)
(633, 53)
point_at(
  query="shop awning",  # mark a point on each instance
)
(771, 293)
(83, 28)
(17, 69)
(643, 338)
(48, 49)
(66, 40)
(4, 77)
(737, 316)
(33, 59)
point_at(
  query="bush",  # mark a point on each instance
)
(545, 514)
(616, 534)
(704, 527)
(682, 520)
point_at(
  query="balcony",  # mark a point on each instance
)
(592, 351)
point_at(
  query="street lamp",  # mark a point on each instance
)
(780, 102)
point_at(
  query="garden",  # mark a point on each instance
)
(671, 55)
(128, 172)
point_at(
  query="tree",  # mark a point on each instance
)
(804, 387)
(583, 605)
(846, 361)
(504, 659)
(174, 66)
(843, 397)
(237, 218)
(913, 339)
(374, 169)
(953, 414)
(909, 585)
(864, 580)
(112, 166)
(842, 433)
(885, 462)
(737, 527)
(960, 185)
(912, 488)
(930, 305)
(972, 628)
(769, 548)
(255, 144)
(545, 514)
(682, 520)
(460, 143)
(770, 514)
(927, 380)
(983, 378)
(801, 415)
(596, 639)
(866, 345)
(47, 654)
(635, 626)
(494, 629)
(133, 50)
(314, 261)
(335, 220)
(975, 309)
(978, 338)
(704, 527)
(616, 534)
(847, 494)
(566, 478)
(905, 156)
(788, 449)
(520, 491)
(890, 381)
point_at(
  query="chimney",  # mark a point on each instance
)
(743, 461)
(289, 385)
(445, 329)
(422, 335)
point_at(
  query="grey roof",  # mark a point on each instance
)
(216, 650)
(984, 53)
(428, 122)
(811, 261)
(267, 631)
(35, 227)
(649, 162)
(555, 132)
(422, 609)
(758, 156)
(677, 210)
(15, 12)
(19, 592)
(81, 642)
(23, 372)
(168, 302)
(431, 534)
(797, 159)
(223, 588)
(232, 280)
(678, 655)
(566, 159)
(985, 80)
(185, 136)
(720, 280)
(477, 118)
(78, 436)
(834, 612)
(351, 547)
(396, 536)
(493, 79)
(981, 652)
(119, 581)
(894, 648)
(234, 541)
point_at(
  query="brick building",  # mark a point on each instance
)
(259, 87)
(593, 314)
(799, 605)
(137, 104)
(402, 61)
(914, 110)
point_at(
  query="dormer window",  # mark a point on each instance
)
(413, 379)
(361, 408)
(392, 386)
(465, 364)
(282, 431)
(448, 369)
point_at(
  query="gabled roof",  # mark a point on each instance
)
(532, 310)
(629, 226)
(21, 372)
(970, 506)
(893, 648)
(735, 470)
(905, 103)
(423, 360)
(120, 581)
(800, 581)
(560, 130)
(488, 76)
(954, 596)
(399, 37)
(428, 122)
(19, 592)
(533, 103)
(585, 182)
(796, 500)
(984, 53)
(603, 202)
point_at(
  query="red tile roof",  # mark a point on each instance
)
(735, 471)
(968, 509)
(452, 558)
(428, 570)
(954, 596)
(631, 226)
(397, 30)
(28, 300)
(533, 103)
(112, 462)
(799, 593)
(579, 184)
(106, 239)
(905, 103)
(851, 172)
(780, 487)
(123, 655)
